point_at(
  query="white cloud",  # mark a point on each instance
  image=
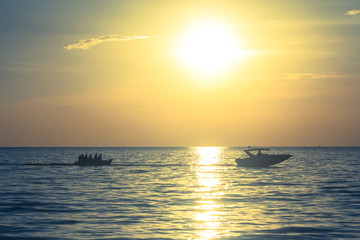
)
(308, 77)
(90, 42)
(353, 12)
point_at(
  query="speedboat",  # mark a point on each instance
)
(260, 159)
(93, 162)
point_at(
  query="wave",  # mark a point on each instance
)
(39, 163)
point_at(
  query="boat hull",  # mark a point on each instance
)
(93, 163)
(261, 161)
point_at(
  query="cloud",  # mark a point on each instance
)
(353, 12)
(308, 77)
(90, 42)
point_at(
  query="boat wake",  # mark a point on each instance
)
(39, 163)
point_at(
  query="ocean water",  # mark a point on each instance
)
(179, 193)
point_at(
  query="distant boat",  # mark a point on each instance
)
(260, 159)
(93, 162)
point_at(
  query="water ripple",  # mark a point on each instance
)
(179, 193)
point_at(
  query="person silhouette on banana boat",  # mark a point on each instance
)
(89, 160)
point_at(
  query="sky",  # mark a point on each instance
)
(179, 73)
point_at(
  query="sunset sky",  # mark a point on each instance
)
(179, 73)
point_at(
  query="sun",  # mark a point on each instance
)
(210, 47)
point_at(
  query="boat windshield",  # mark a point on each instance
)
(250, 153)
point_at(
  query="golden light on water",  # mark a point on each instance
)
(208, 155)
(208, 214)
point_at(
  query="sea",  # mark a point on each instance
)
(179, 193)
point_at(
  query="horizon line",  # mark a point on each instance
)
(255, 146)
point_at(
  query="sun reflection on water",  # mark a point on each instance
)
(209, 155)
(208, 215)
